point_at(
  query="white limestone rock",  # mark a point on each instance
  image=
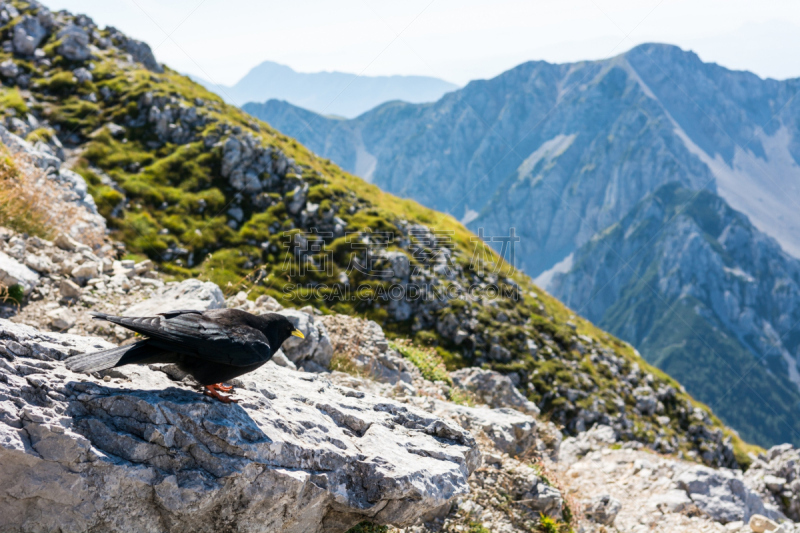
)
(12, 272)
(722, 495)
(495, 389)
(143, 453)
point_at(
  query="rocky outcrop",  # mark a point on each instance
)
(495, 389)
(136, 451)
(721, 494)
(775, 476)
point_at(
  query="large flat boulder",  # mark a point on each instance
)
(137, 451)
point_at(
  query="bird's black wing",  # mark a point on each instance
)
(195, 334)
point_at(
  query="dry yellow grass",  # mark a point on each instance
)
(32, 203)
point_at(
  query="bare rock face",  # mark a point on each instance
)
(135, 451)
(495, 389)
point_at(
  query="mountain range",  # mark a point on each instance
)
(334, 93)
(590, 163)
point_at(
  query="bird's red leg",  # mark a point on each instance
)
(214, 392)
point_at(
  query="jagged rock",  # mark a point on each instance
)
(511, 432)
(315, 350)
(673, 501)
(188, 294)
(760, 524)
(82, 75)
(141, 52)
(9, 69)
(573, 448)
(495, 389)
(74, 43)
(775, 476)
(69, 289)
(27, 35)
(61, 318)
(144, 453)
(39, 263)
(65, 242)
(528, 486)
(12, 272)
(364, 345)
(646, 401)
(602, 509)
(721, 494)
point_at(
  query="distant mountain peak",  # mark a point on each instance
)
(329, 92)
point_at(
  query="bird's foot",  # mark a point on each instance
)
(223, 388)
(214, 392)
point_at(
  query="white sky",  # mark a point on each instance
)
(457, 40)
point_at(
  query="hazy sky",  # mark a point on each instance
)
(457, 40)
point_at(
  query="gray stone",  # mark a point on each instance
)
(40, 263)
(82, 75)
(9, 69)
(573, 448)
(315, 347)
(495, 389)
(509, 430)
(27, 35)
(646, 401)
(673, 501)
(12, 272)
(69, 289)
(61, 318)
(499, 353)
(297, 454)
(603, 509)
(721, 494)
(74, 43)
(188, 294)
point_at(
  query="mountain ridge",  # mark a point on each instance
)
(704, 296)
(333, 93)
(481, 134)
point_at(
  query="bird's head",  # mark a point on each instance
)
(277, 328)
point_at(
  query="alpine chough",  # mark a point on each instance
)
(213, 346)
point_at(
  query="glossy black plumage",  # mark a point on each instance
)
(213, 346)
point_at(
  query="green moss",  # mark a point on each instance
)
(430, 364)
(11, 99)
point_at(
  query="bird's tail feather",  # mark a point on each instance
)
(121, 355)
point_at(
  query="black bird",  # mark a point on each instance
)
(213, 346)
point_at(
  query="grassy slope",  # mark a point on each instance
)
(163, 188)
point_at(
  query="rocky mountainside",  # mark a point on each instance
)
(560, 152)
(342, 428)
(704, 296)
(204, 191)
(330, 93)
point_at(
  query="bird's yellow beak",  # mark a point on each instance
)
(298, 333)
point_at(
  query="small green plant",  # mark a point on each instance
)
(477, 527)
(461, 397)
(13, 294)
(548, 524)
(427, 360)
(368, 527)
